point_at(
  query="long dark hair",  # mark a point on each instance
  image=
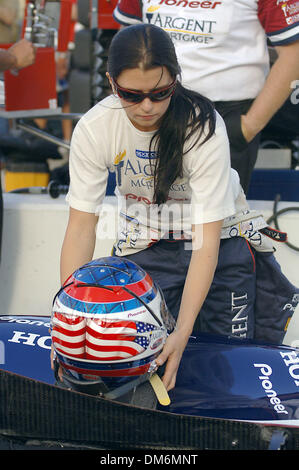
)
(147, 46)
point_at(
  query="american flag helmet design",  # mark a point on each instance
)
(109, 320)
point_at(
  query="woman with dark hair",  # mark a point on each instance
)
(146, 49)
(179, 200)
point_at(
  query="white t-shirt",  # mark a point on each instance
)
(105, 139)
(221, 45)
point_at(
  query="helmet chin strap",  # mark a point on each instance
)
(160, 390)
(103, 391)
(156, 383)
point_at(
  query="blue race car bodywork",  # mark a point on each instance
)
(219, 377)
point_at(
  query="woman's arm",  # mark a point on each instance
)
(198, 281)
(79, 242)
(276, 90)
(77, 248)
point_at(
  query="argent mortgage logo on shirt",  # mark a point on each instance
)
(186, 4)
(140, 170)
(139, 173)
(190, 21)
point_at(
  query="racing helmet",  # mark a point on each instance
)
(109, 323)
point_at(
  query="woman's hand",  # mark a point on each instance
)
(172, 353)
(205, 245)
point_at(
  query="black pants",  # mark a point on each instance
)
(249, 296)
(243, 154)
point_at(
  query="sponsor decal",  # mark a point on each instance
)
(146, 154)
(24, 321)
(140, 171)
(291, 360)
(247, 230)
(142, 222)
(137, 313)
(182, 27)
(185, 25)
(21, 337)
(31, 339)
(290, 307)
(240, 319)
(266, 383)
(138, 198)
(290, 11)
(157, 338)
(118, 163)
(156, 343)
(274, 234)
(184, 4)
(149, 202)
(119, 157)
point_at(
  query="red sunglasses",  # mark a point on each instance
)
(154, 95)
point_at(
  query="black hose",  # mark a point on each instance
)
(277, 213)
